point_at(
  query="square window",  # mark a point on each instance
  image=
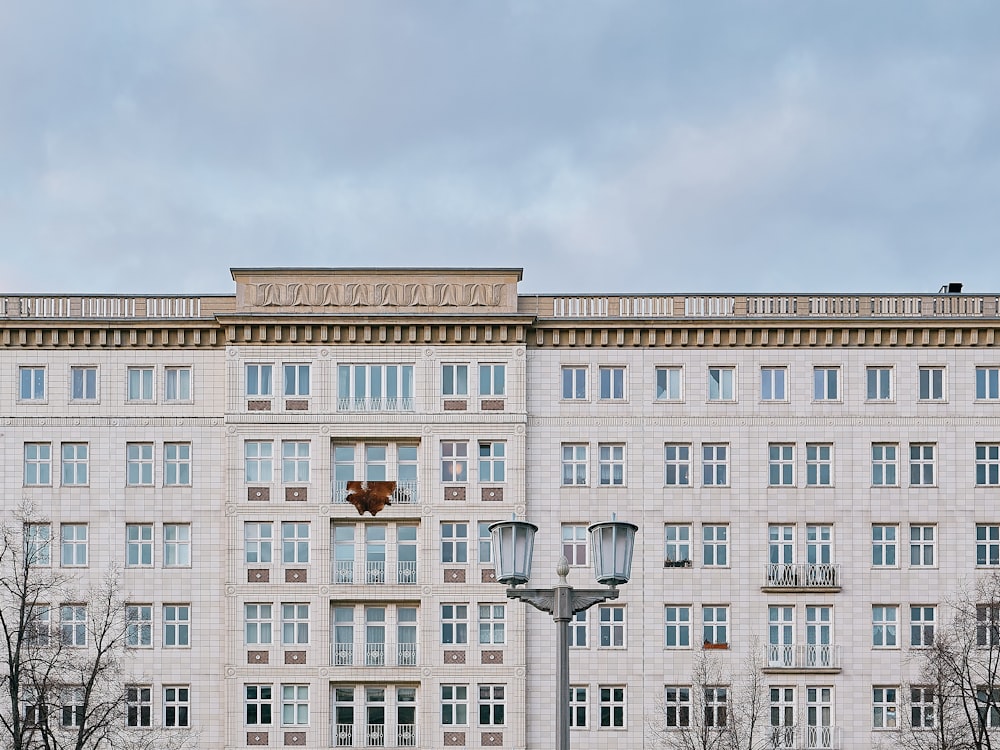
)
(987, 464)
(176, 545)
(176, 625)
(884, 621)
(177, 383)
(574, 383)
(177, 464)
(75, 462)
(884, 540)
(884, 465)
(715, 464)
(296, 380)
(669, 384)
(612, 382)
(780, 465)
(83, 383)
(715, 546)
(139, 384)
(931, 383)
(819, 465)
(139, 545)
(772, 383)
(37, 464)
(454, 380)
(32, 384)
(721, 384)
(987, 383)
(826, 384)
(879, 384)
(258, 381)
(677, 465)
(139, 464)
(921, 464)
(611, 465)
(73, 544)
(574, 464)
(492, 461)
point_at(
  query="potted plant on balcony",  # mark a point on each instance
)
(709, 646)
(671, 563)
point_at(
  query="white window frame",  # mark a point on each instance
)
(885, 464)
(923, 546)
(987, 383)
(676, 464)
(677, 543)
(75, 464)
(492, 624)
(780, 464)
(721, 384)
(492, 461)
(885, 545)
(176, 626)
(139, 542)
(923, 464)
(885, 707)
(612, 383)
(669, 383)
(38, 544)
(885, 626)
(177, 384)
(880, 384)
(455, 380)
(454, 542)
(578, 707)
(987, 464)
(677, 706)
(259, 380)
(295, 461)
(138, 706)
(492, 705)
(294, 623)
(612, 626)
(139, 465)
(819, 464)
(258, 623)
(578, 632)
(493, 380)
(73, 625)
(454, 461)
(574, 382)
(575, 543)
(73, 545)
(258, 542)
(774, 383)
(85, 384)
(931, 384)
(140, 384)
(713, 544)
(37, 465)
(677, 626)
(177, 464)
(258, 704)
(176, 706)
(455, 705)
(923, 624)
(613, 714)
(715, 464)
(296, 379)
(715, 624)
(826, 383)
(987, 545)
(258, 461)
(924, 706)
(454, 624)
(138, 625)
(295, 542)
(176, 545)
(31, 384)
(574, 464)
(611, 467)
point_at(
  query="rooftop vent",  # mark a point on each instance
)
(952, 287)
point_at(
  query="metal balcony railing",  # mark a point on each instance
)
(406, 493)
(394, 403)
(343, 654)
(822, 738)
(373, 572)
(406, 655)
(374, 654)
(801, 575)
(803, 656)
(406, 572)
(343, 735)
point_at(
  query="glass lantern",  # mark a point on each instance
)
(612, 543)
(513, 543)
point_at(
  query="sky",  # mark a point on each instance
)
(602, 145)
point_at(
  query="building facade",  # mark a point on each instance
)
(814, 478)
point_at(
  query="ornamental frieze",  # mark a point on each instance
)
(298, 294)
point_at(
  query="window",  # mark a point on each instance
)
(485, 543)
(257, 619)
(720, 384)
(578, 706)
(677, 543)
(138, 545)
(988, 464)
(772, 383)
(677, 705)
(819, 547)
(74, 544)
(715, 621)
(922, 626)
(611, 464)
(574, 464)
(176, 706)
(922, 546)
(921, 464)
(931, 383)
(454, 542)
(782, 720)
(612, 383)
(177, 464)
(176, 625)
(37, 464)
(987, 383)
(294, 461)
(578, 630)
(375, 387)
(715, 546)
(612, 706)
(294, 623)
(492, 465)
(988, 701)
(716, 702)
(73, 625)
(343, 636)
(83, 383)
(676, 465)
(32, 384)
(884, 465)
(491, 705)
(492, 623)
(294, 542)
(826, 383)
(139, 464)
(677, 626)
(257, 541)
(454, 461)
(493, 380)
(140, 384)
(879, 381)
(987, 544)
(74, 464)
(884, 619)
(455, 705)
(138, 706)
(138, 625)
(454, 380)
(177, 384)
(296, 380)
(668, 384)
(72, 713)
(922, 703)
(176, 545)
(259, 381)
(574, 383)
(780, 465)
(39, 625)
(988, 625)
(819, 465)
(454, 624)
(612, 626)
(258, 703)
(884, 708)
(258, 460)
(38, 544)
(715, 464)
(884, 545)
(406, 635)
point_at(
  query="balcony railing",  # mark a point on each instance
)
(387, 403)
(375, 571)
(782, 738)
(822, 738)
(801, 576)
(374, 735)
(406, 655)
(803, 656)
(58, 306)
(343, 735)
(347, 572)
(406, 735)
(343, 654)
(405, 493)
(374, 655)
(406, 572)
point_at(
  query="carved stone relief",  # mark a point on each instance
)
(376, 295)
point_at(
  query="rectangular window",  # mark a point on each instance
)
(493, 380)
(139, 464)
(922, 545)
(885, 709)
(668, 384)
(294, 623)
(612, 706)
(294, 543)
(716, 707)
(677, 465)
(819, 465)
(454, 461)
(257, 542)
(176, 545)
(258, 702)
(259, 381)
(826, 384)
(455, 705)
(454, 542)
(491, 705)
(140, 384)
(574, 543)
(987, 383)
(780, 465)
(677, 705)
(931, 383)
(375, 387)
(721, 384)
(492, 623)
(72, 713)
(988, 625)
(988, 464)
(492, 461)
(715, 464)
(485, 543)
(32, 384)
(74, 544)
(578, 706)
(176, 706)
(257, 624)
(83, 383)
(73, 625)
(677, 543)
(884, 465)
(611, 464)
(258, 460)
(772, 383)
(677, 627)
(715, 626)
(922, 619)
(879, 383)
(39, 626)
(177, 464)
(921, 464)
(454, 380)
(922, 707)
(37, 464)
(574, 464)
(988, 700)
(574, 383)
(294, 461)
(612, 626)
(296, 380)
(176, 625)
(38, 544)
(578, 630)
(138, 706)
(295, 705)
(454, 624)
(884, 539)
(75, 461)
(139, 545)
(612, 382)
(715, 546)
(782, 721)
(884, 620)
(139, 625)
(987, 545)
(177, 384)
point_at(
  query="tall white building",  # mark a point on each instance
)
(813, 477)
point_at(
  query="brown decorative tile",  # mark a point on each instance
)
(295, 575)
(488, 575)
(296, 404)
(258, 493)
(295, 657)
(454, 493)
(492, 657)
(258, 657)
(454, 657)
(256, 738)
(492, 739)
(454, 739)
(454, 575)
(492, 404)
(296, 493)
(455, 405)
(256, 405)
(295, 739)
(492, 493)
(258, 575)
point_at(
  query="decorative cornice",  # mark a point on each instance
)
(371, 331)
(109, 334)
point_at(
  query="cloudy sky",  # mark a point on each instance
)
(603, 145)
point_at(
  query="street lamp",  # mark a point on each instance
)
(611, 544)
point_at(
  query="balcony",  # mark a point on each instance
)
(374, 655)
(373, 572)
(800, 577)
(810, 657)
(389, 403)
(803, 738)
(404, 493)
(374, 735)
(822, 738)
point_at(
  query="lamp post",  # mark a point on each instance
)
(611, 544)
